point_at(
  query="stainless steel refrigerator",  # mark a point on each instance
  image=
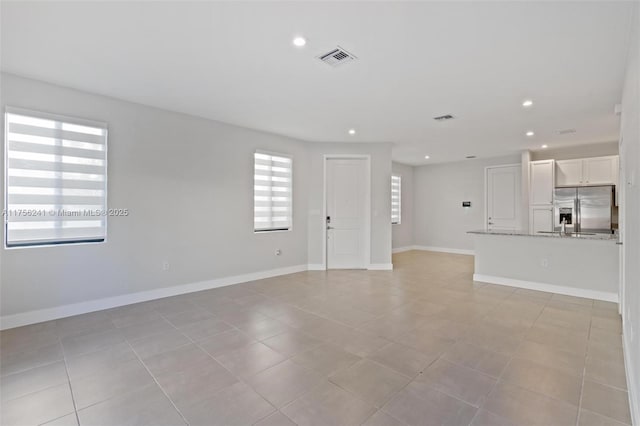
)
(585, 209)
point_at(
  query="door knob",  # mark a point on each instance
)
(329, 227)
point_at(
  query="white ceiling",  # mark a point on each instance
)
(234, 62)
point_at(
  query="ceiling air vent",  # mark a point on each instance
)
(337, 56)
(566, 131)
(444, 117)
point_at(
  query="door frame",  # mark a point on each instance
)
(367, 202)
(486, 191)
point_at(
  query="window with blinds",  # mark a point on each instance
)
(56, 179)
(396, 198)
(272, 192)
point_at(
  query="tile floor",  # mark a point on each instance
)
(422, 345)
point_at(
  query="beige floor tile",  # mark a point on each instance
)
(606, 401)
(486, 418)
(146, 406)
(99, 362)
(426, 342)
(489, 337)
(265, 329)
(402, 359)
(195, 383)
(252, 359)
(291, 343)
(427, 407)
(605, 352)
(202, 329)
(77, 345)
(226, 341)
(328, 405)
(589, 418)
(193, 315)
(524, 407)
(463, 383)
(177, 360)
(138, 331)
(38, 407)
(326, 359)
(545, 380)
(551, 357)
(237, 404)
(68, 420)
(132, 317)
(13, 362)
(560, 338)
(567, 319)
(606, 373)
(371, 381)
(276, 419)
(158, 343)
(380, 418)
(480, 359)
(33, 380)
(572, 299)
(284, 382)
(99, 387)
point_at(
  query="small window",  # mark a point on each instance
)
(396, 199)
(272, 192)
(56, 179)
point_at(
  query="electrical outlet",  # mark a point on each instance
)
(544, 263)
(165, 265)
(278, 252)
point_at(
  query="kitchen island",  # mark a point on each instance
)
(582, 265)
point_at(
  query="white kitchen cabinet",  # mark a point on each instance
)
(541, 182)
(540, 219)
(600, 170)
(587, 171)
(569, 172)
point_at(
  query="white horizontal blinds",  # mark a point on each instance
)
(272, 192)
(55, 179)
(396, 194)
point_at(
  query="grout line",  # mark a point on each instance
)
(66, 369)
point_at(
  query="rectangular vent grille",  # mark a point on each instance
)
(444, 117)
(337, 56)
(566, 131)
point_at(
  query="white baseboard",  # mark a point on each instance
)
(629, 366)
(380, 267)
(316, 267)
(549, 288)
(32, 317)
(402, 249)
(444, 250)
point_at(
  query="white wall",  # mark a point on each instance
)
(188, 183)
(577, 151)
(439, 220)
(630, 159)
(402, 234)
(380, 154)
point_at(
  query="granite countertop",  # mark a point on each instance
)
(519, 233)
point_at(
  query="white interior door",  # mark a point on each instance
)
(503, 197)
(346, 214)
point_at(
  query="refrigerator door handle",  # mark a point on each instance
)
(576, 226)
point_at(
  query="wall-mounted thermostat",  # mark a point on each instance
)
(466, 204)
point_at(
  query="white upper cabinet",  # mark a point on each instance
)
(569, 173)
(587, 171)
(541, 182)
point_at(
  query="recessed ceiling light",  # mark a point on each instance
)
(352, 131)
(530, 133)
(545, 146)
(527, 103)
(299, 41)
(426, 157)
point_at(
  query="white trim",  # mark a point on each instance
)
(629, 367)
(367, 202)
(402, 249)
(315, 267)
(32, 317)
(549, 288)
(380, 267)
(444, 250)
